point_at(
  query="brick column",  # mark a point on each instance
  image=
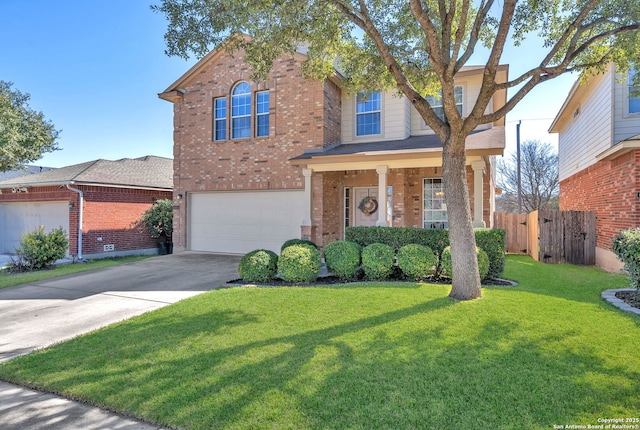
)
(382, 195)
(307, 231)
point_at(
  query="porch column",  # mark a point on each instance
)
(307, 197)
(478, 172)
(382, 195)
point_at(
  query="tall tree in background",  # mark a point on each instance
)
(539, 173)
(24, 133)
(418, 47)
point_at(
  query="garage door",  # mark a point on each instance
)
(20, 218)
(239, 222)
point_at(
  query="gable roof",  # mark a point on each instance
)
(149, 172)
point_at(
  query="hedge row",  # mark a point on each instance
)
(491, 241)
(299, 261)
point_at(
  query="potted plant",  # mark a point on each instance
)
(159, 221)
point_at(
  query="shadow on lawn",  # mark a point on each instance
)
(408, 368)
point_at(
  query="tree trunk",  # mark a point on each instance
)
(465, 277)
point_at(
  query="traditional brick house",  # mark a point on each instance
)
(599, 156)
(257, 163)
(98, 203)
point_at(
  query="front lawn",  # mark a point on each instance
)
(12, 279)
(364, 356)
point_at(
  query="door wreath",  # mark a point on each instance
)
(368, 205)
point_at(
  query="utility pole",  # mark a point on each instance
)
(519, 170)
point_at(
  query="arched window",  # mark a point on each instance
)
(241, 111)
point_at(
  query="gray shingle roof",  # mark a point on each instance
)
(28, 170)
(146, 172)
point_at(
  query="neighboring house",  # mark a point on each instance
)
(257, 163)
(599, 156)
(98, 203)
(27, 170)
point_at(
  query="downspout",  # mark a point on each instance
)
(81, 196)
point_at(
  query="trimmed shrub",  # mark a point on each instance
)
(297, 242)
(38, 249)
(416, 261)
(343, 259)
(493, 242)
(626, 246)
(446, 265)
(299, 263)
(259, 265)
(377, 261)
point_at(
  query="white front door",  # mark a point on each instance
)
(366, 207)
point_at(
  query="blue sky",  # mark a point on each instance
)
(95, 67)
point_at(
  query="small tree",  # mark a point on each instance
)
(24, 133)
(626, 246)
(159, 219)
(539, 173)
(39, 250)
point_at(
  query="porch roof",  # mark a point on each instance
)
(410, 152)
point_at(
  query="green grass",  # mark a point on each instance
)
(12, 279)
(364, 356)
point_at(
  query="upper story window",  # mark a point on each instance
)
(220, 118)
(634, 94)
(262, 113)
(241, 111)
(436, 102)
(368, 110)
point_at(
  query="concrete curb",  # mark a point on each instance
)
(610, 296)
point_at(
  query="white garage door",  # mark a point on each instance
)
(239, 222)
(19, 218)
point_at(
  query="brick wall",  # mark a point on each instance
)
(113, 215)
(109, 213)
(299, 120)
(609, 189)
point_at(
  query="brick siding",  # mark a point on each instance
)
(609, 188)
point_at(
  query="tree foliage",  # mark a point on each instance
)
(24, 133)
(539, 174)
(418, 47)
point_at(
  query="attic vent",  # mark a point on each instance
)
(577, 112)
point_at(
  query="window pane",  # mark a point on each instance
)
(435, 213)
(634, 94)
(241, 127)
(367, 102)
(368, 123)
(220, 119)
(262, 125)
(221, 130)
(262, 113)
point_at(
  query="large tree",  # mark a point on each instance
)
(539, 184)
(418, 47)
(24, 133)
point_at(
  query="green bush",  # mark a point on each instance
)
(297, 242)
(259, 265)
(38, 249)
(159, 218)
(626, 246)
(343, 259)
(299, 263)
(416, 261)
(446, 265)
(492, 241)
(377, 261)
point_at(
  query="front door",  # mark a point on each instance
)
(366, 208)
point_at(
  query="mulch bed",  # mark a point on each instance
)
(630, 298)
(331, 280)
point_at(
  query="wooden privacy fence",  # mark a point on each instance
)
(551, 236)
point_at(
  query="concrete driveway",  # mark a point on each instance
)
(39, 314)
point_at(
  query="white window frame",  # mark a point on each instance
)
(369, 112)
(628, 96)
(248, 109)
(436, 101)
(440, 222)
(260, 115)
(217, 120)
